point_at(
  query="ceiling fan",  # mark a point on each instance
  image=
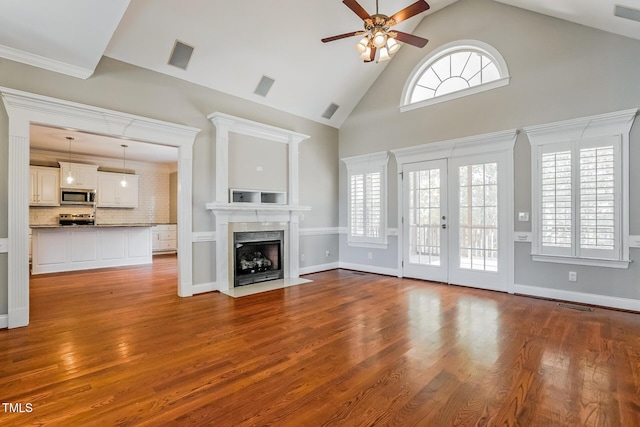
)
(377, 33)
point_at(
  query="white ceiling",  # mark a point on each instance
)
(592, 13)
(66, 36)
(236, 43)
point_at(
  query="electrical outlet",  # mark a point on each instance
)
(327, 254)
(301, 257)
(573, 276)
(370, 255)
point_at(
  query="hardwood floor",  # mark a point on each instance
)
(119, 347)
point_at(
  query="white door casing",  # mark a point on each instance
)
(24, 108)
(475, 150)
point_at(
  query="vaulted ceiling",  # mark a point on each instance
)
(236, 43)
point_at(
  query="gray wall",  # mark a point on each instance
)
(123, 87)
(257, 164)
(559, 71)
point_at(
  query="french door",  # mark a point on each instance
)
(425, 220)
(455, 221)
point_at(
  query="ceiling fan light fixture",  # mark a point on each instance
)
(384, 55)
(379, 39)
(392, 46)
(123, 183)
(362, 44)
(69, 178)
(366, 54)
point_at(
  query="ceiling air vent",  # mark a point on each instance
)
(180, 55)
(264, 86)
(330, 111)
(627, 13)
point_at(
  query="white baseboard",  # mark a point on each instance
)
(369, 268)
(4, 321)
(320, 267)
(593, 299)
(201, 288)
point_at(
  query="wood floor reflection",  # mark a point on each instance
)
(119, 347)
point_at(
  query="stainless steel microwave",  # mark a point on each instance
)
(75, 196)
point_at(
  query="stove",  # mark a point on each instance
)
(76, 219)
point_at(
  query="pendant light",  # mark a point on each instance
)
(123, 183)
(69, 178)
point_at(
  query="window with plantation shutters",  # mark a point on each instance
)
(580, 189)
(556, 206)
(367, 199)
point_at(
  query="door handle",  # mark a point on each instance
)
(444, 226)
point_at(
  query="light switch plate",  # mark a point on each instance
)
(634, 241)
(4, 245)
(523, 216)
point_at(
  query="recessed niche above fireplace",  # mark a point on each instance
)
(257, 196)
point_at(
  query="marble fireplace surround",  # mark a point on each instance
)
(234, 217)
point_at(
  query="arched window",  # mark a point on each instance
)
(454, 70)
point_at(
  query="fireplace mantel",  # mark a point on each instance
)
(257, 210)
(255, 216)
(263, 216)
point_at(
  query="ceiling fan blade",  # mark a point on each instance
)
(373, 54)
(410, 11)
(355, 6)
(341, 36)
(411, 39)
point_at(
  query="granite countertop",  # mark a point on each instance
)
(92, 226)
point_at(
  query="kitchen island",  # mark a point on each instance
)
(58, 248)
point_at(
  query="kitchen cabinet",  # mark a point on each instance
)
(44, 186)
(164, 238)
(111, 194)
(70, 248)
(84, 176)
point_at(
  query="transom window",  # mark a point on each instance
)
(455, 70)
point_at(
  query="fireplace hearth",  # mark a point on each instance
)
(258, 256)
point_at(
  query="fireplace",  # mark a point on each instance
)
(258, 256)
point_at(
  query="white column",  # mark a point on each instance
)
(18, 257)
(185, 195)
(293, 171)
(222, 252)
(222, 158)
(294, 246)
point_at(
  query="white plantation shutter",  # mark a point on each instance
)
(357, 205)
(367, 199)
(581, 190)
(599, 204)
(556, 202)
(579, 199)
(373, 204)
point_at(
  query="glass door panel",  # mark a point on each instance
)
(425, 211)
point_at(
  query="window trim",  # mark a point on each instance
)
(585, 129)
(448, 49)
(368, 163)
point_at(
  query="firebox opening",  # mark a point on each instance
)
(258, 257)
